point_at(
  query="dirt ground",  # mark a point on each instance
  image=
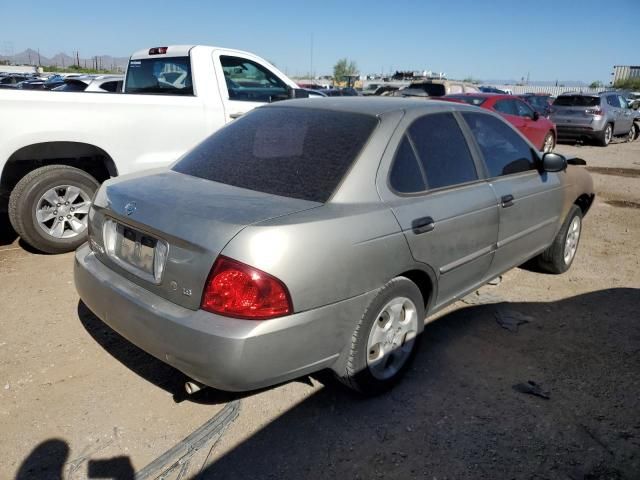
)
(77, 401)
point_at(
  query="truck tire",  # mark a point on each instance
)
(385, 340)
(604, 137)
(560, 254)
(49, 207)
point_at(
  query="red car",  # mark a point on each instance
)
(539, 130)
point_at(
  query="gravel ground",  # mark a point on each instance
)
(555, 396)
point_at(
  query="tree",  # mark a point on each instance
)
(628, 84)
(343, 68)
(596, 84)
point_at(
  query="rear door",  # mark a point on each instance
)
(447, 212)
(615, 112)
(530, 201)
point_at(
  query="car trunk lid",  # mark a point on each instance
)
(186, 219)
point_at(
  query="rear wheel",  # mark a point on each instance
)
(561, 253)
(49, 207)
(604, 137)
(384, 342)
(633, 133)
(549, 142)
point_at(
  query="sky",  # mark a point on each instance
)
(484, 39)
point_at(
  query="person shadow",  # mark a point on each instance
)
(48, 461)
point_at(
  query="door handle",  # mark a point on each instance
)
(422, 225)
(233, 116)
(506, 201)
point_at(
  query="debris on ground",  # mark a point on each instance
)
(509, 318)
(532, 388)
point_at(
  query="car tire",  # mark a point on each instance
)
(636, 131)
(549, 142)
(49, 207)
(631, 135)
(605, 136)
(559, 256)
(393, 321)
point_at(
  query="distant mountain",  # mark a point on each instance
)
(30, 57)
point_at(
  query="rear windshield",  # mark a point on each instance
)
(468, 99)
(162, 75)
(292, 152)
(433, 89)
(576, 101)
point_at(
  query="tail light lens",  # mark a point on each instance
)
(237, 290)
(593, 111)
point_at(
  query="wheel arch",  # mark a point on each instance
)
(87, 157)
(425, 283)
(584, 202)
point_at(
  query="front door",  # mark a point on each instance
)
(448, 214)
(530, 201)
(246, 83)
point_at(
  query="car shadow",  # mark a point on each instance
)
(473, 405)
(7, 234)
(149, 367)
(558, 396)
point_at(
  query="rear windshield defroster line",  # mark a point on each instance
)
(291, 152)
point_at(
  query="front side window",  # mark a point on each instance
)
(249, 81)
(623, 102)
(160, 76)
(504, 151)
(524, 110)
(292, 152)
(506, 106)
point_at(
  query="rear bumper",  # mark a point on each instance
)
(576, 131)
(221, 352)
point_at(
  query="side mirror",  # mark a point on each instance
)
(553, 162)
(536, 116)
(298, 93)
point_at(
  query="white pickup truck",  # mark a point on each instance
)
(56, 147)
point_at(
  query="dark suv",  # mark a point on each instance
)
(599, 116)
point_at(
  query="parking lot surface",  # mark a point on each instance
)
(537, 377)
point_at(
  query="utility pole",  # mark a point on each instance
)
(39, 64)
(78, 58)
(311, 63)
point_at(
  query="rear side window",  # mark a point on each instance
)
(434, 154)
(162, 75)
(504, 151)
(291, 152)
(576, 101)
(406, 175)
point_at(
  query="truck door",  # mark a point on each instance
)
(246, 82)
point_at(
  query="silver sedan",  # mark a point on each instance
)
(320, 234)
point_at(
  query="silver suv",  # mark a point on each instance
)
(598, 116)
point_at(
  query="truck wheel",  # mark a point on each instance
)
(560, 254)
(384, 342)
(49, 207)
(605, 136)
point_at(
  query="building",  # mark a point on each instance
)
(20, 69)
(625, 72)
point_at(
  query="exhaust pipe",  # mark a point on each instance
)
(193, 387)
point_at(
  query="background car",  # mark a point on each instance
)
(317, 235)
(485, 89)
(539, 130)
(540, 102)
(595, 116)
(438, 88)
(92, 83)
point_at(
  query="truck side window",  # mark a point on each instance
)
(249, 81)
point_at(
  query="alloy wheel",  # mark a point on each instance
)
(62, 211)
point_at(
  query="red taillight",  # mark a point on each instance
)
(158, 51)
(593, 111)
(237, 290)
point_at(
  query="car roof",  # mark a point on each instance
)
(373, 106)
(481, 95)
